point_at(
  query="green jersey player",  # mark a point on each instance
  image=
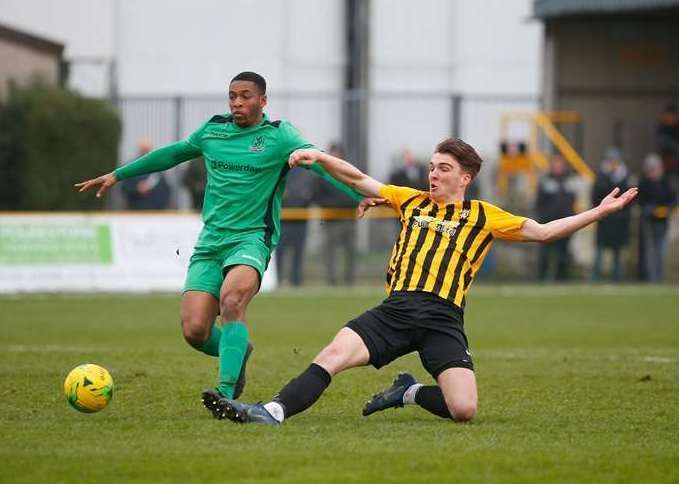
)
(246, 158)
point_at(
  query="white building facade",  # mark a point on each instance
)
(169, 63)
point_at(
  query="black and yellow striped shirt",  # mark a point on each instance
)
(441, 247)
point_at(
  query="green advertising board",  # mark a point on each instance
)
(43, 243)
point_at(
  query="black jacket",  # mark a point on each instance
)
(613, 231)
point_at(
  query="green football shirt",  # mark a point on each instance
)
(246, 173)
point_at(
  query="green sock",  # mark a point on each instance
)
(232, 347)
(211, 345)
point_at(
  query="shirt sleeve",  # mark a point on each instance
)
(292, 139)
(397, 195)
(320, 171)
(502, 224)
(195, 138)
(159, 160)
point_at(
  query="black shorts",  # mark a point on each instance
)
(415, 321)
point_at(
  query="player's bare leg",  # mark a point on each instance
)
(239, 287)
(455, 397)
(198, 312)
(458, 386)
(347, 350)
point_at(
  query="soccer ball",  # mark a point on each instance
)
(88, 388)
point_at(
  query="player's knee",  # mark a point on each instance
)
(332, 358)
(462, 410)
(195, 333)
(232, 304)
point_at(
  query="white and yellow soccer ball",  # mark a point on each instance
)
(88, 388)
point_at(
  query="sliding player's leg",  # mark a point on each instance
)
(458, 388)
(445, 355)
(347, 350)
(455, 396)
(376, 337)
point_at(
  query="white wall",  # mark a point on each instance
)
(197, 48)
(423, 51)
(295, 44)
(420, 53)
(171, 48)
(497, 47)
(497, 51)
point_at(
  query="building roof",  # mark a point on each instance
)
(32, 41)
(546, 9)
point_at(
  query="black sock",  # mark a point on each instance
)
(302, 392)
(431, 399)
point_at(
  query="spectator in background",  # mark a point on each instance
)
(667, 139)
(657, 200)
(298, 194)
(612, 233)
(555, 199)
(339, 234)
(146, 192)
(411, 174)
(194, 180)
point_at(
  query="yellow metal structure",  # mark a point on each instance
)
(531, 160)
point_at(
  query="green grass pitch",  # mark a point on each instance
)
(576, 384)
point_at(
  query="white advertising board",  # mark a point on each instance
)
(126, 252)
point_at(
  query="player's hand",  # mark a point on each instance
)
(303, 157)
(104, 182)
(614, 203)
(367, 203)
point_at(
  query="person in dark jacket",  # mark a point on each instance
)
(555, 199)
(657, 200)
(339, 235)
(194, 180)
(298, 194)
(412, 174)
(612, 233)
(667, 140)
(146, 192)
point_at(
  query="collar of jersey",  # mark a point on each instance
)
(441, 204)
(238, 129)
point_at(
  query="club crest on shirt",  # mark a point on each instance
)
(257, 145)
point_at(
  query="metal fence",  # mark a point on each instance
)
(395, 121)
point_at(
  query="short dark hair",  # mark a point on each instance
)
(252, 77)
(465, 154)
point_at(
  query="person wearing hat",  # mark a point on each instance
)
(657, 200)
(612, 233)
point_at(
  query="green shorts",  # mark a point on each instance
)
(208, 267)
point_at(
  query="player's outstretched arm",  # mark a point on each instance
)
(533, 231)
(339, 169)
(157, 160)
